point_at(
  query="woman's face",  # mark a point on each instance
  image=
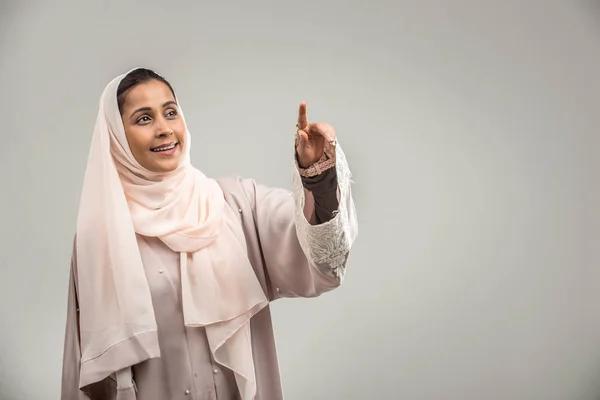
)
(154, 128)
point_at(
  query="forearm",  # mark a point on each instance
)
(326, 231)
(324, 191)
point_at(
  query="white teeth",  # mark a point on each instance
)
(165, 148)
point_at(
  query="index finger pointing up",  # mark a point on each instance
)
(302, 121)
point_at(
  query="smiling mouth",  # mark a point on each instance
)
(165, 147)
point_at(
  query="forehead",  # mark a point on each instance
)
(149, 94)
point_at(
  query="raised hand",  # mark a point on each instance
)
(311, 138)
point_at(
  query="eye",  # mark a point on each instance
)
(144, 119)
(171, 114)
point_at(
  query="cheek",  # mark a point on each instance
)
(180, 130)
(180, 126)
(138, 138)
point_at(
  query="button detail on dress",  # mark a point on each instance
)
(187, 392)
(277, 289)
(215, 371)
(239, 210)
(160, 271)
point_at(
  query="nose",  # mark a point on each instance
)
(163, 131)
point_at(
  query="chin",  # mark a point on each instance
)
(164, 165)
(168, 167)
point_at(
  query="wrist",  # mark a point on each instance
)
(326, 162)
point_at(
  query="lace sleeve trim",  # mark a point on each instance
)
(330, 242)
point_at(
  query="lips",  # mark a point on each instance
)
(164, 147)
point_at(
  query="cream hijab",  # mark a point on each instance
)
(187, 211)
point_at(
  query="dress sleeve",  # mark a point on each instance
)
(72, 351)
(305, 235)
(105, 389)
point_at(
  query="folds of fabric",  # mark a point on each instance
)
(185, 210)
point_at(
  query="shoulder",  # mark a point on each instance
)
(237, 190)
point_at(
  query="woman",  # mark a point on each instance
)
(172, 272)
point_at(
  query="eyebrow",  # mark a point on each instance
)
(168, 103)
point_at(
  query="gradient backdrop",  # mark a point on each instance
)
(472, 131)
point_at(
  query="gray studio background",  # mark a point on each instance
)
(472, 131)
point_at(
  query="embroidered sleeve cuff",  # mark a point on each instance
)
(328, 243)
(327, 161)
